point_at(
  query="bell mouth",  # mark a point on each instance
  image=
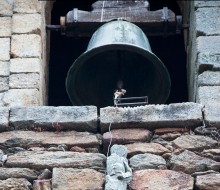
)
(93, 77)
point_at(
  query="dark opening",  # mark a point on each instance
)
(64, 50)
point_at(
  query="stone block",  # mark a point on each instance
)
(21, 97)
(4, 118)
(25, 139)
(26, 173)
(21, 6)
(199, 4)
(43, 159)
(26, 23)
(4, 86)
(151, 116)
(209, 78)
(13, 183)
(207, 21)
(4, 68)
(79, 118)
(208, 94)
(5, 26)
(26, 45)
(208, 182)
(1, 101)
(161, 179)
(208, 53)
(25, 65)
(30, 80)
(211, 115)
(6, 8)
(4, 49)
(75, 179)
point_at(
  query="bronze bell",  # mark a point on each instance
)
(118, 50)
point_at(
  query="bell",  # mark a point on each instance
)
(117, 51)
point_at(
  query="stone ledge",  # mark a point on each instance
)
(79, 118)
(4, 117)
(151, 116)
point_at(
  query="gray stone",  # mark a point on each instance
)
(26, 45)
(161, 180)
(147, 161)
(207, 21)
(208, 53)
(4, 68)
(5, 26)
(141, 148)
(26, 23)
(206, 3)
(44, 159)
(194, 142)
(75, 179)
(79, 118)
(208, 95)
(189, 162)
(21, 6)
(4, 86)
(4, 118)
(29, 174)
(27, 138)
(30, 80)
(25, 65)
(151, 116)
(1, 102)
(208, 182)
(21, 97)
(43, 184)
(211, 115)
(6, 8)
(4, 49)
(15, 183)
(209, 78)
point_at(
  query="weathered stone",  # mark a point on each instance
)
(79, 118)
(188, 162)
(204, 173)
(208, 53)
(161, 179)
(1, 102)
(30, 80)
(211, 114)
(208, 3)
(21, 97)
(46, 174)
(146, 161)
(14, 150)
(4, 118)
(209, 78)
(21, 6)
(162, 131)
(6, 8)
(4, 86)
(208, 182)
(5, 26)
(25, 65)
(26, 23)
(4, 49)
(126, 136)
(15, 183)
(44, 184)
(4, 68)
(77, 149)
(152, 116)
(212, 151)
(75, 179)
(208, 94)
(29, 174)
(194, 142)
(26, 138)
(42, 160)
(141, 148)
(170, 136)
(26, 45)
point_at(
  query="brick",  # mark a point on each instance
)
(5, 26)
(209, 78)
(26, 45)
(6, 7)
(211, 115)
(21, 6)
(4, 68)
(4, 86)
(4, 118)
(79, 118)
(208, 94)
(25, 65)
(151, 116)
(4, 49)
(26, 23)
(31, 80)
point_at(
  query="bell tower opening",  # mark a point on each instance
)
(65, 50)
